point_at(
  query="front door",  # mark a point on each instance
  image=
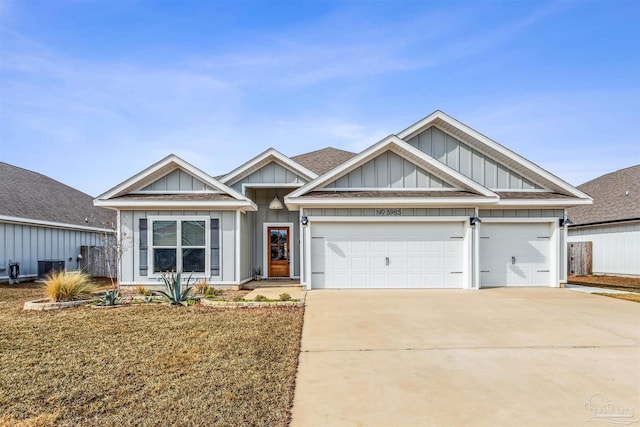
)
(278, 238)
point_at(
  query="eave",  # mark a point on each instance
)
(155, 205)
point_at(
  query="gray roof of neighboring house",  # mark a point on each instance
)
(30, 195)
(322, 161)
(616, 197)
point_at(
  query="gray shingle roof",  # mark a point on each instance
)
(195, 197)
(322, 161)
(532, 195)
(387, 193)
(30, 195)
(616, 196)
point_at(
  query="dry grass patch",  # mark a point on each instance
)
(631, 284)
(145, 365)
(628, 297)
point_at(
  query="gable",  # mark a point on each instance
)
(388, 170)
(271, 173)
(178, 180)
(469, 161)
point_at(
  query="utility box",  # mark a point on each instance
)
(47, 266)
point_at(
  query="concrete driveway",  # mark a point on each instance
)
(500, 357)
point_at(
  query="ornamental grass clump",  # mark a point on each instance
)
(62, 287)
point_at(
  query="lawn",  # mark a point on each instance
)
(145, 365)
(631, 284)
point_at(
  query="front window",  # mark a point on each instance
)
(179, 245)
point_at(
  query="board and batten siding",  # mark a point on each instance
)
(28, 244)
(263, 215)
(271, 173)
(388, 170)
(409, 212)
(521, 213)
(616, 247)
(469, 161)
(130, 229)
(178, 180)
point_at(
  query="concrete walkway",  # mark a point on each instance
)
(296, 292)
(495, 357)
(592, 290)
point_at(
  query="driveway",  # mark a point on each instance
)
(500, 357)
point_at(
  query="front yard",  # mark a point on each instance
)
(145, 365)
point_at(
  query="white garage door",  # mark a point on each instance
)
(386, 255)
(515, 254)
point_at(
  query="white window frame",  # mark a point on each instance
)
(178, 219)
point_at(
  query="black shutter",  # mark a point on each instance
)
(143, 247)
(215, 247)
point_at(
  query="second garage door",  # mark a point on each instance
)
(387, 255)
(514, 254)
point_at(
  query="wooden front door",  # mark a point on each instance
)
(278, 238)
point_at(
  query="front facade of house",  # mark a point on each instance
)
(436, 206)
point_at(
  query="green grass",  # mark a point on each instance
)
(145, 364)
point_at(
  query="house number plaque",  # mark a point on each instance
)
(388, 212)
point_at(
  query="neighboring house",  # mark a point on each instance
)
(404, 213)
(612, 223)
(43, 220)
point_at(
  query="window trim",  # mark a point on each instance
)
(178, 219)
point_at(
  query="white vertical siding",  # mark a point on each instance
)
(468, 161)
(616, 248)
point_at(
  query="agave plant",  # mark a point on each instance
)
(111, 297)
(177, 293)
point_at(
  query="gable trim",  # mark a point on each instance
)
(264, 157)
(402, 148)
(431, 120)
(159, 169)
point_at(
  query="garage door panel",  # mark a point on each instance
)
(398, 255)
(515, 254)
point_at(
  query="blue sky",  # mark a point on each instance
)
(92, 92)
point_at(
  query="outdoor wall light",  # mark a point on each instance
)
(78, 258)
(304, 220)
(474, 220)
(565, 221)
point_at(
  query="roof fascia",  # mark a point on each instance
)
(431, 118)
(248, 167)
(153, 205)
(179, 163)
(393, 201)
(40, 223)
(388, 144)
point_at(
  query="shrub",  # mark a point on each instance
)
(285, 297)
(177, 293)
(61, 286)
(111, 297)
(141, 290)
(260, 298)
(202, 288)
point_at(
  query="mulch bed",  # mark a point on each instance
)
(631, 284)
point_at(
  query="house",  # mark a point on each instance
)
(44, 224)
(612, 223)
(437, 205)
